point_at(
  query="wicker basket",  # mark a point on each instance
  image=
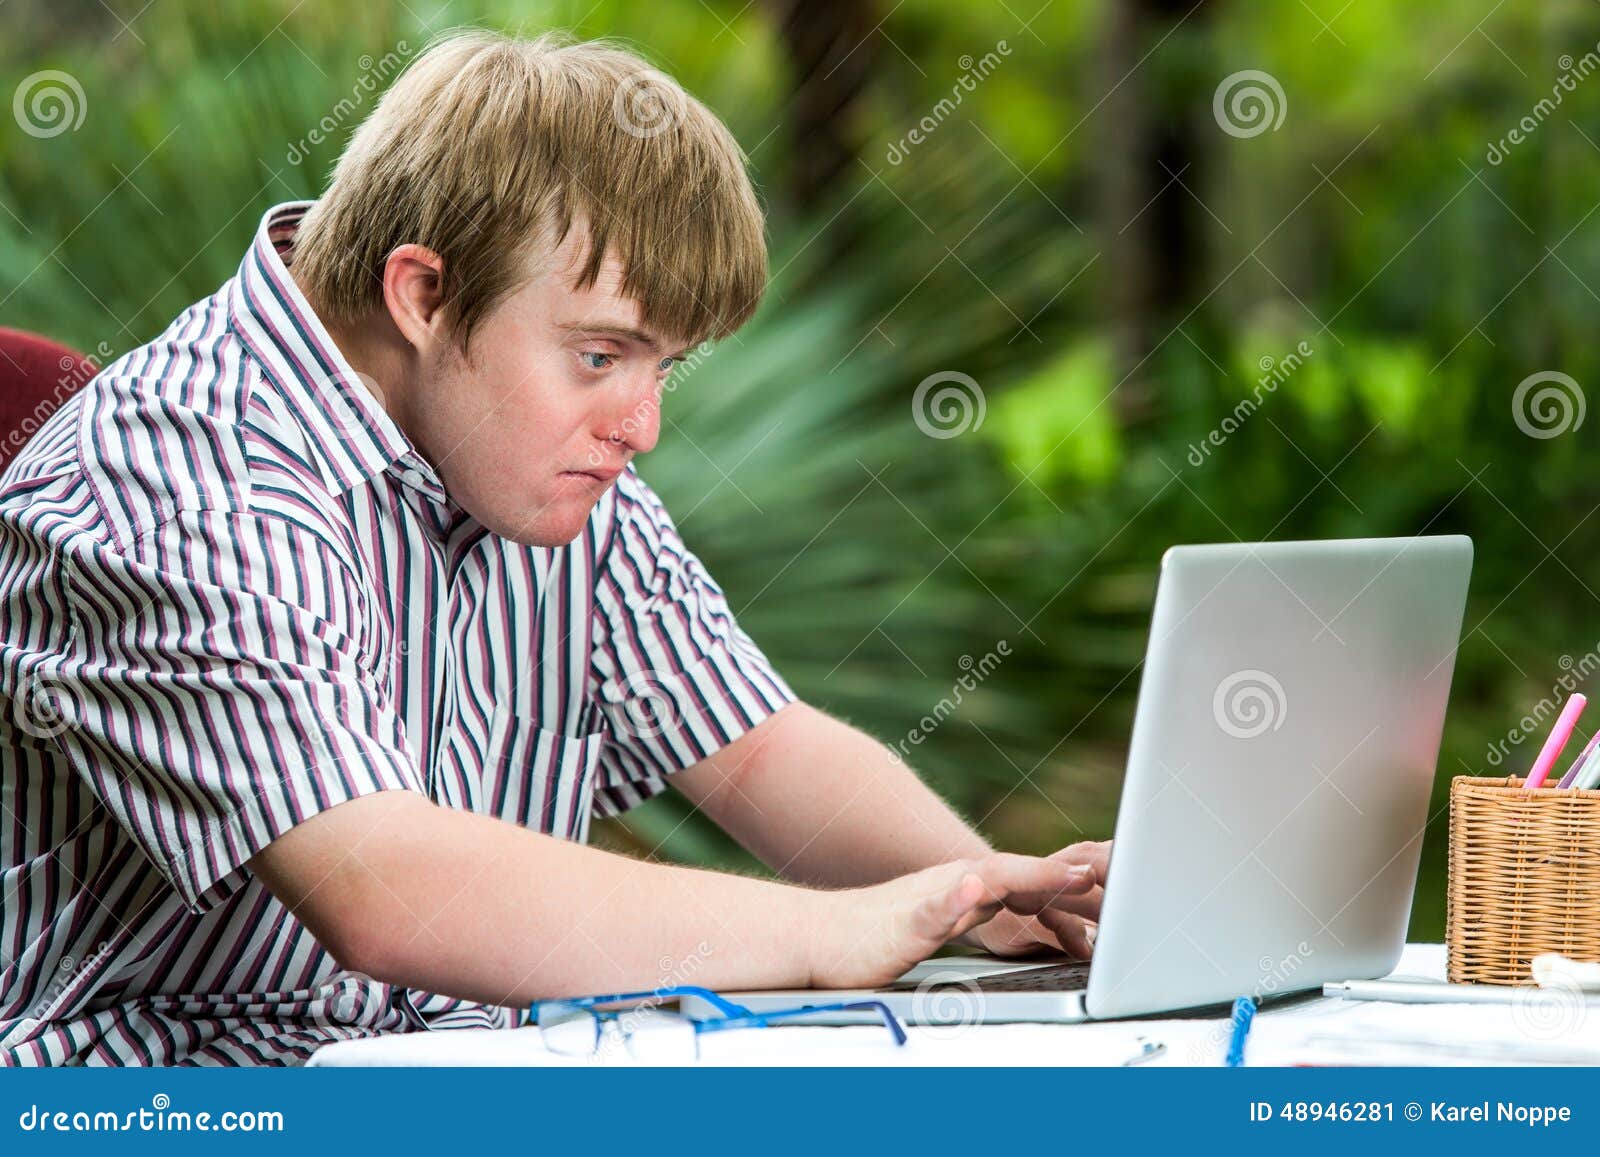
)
(1524, 878)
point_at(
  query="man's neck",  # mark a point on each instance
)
(378, 358)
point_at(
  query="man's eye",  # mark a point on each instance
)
(595, 361)
(666, 365)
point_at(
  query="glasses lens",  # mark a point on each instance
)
(572, 1032)
(658, 1037)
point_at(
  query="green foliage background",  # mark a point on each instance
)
(868, 558)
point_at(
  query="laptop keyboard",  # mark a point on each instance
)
(1067, 977)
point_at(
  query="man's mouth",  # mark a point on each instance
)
(600, 477)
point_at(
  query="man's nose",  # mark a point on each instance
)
(636, 424)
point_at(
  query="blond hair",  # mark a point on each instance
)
(487, 147)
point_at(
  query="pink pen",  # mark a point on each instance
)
(1559, 734)
(1577, 764)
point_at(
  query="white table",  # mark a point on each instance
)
(1551, 1027)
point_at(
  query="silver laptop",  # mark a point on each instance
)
(1275, 797)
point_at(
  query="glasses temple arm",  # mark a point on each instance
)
(763, 1019)
(721, 1003)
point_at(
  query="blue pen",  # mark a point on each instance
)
(1244, 1011)
(1571, 778)
(1590, 775)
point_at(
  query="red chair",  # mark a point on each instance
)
(36, 376)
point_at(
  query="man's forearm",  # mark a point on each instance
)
(822, 803)
(447, 901)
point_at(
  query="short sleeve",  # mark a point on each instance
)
(672, 672)
(216, 689)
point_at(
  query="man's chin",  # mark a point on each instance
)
(558, 523)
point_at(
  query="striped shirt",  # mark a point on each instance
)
(232, 595)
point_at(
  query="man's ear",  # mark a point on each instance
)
(413, 287)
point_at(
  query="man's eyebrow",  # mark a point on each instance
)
(605, 327)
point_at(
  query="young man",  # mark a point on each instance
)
(328, 618)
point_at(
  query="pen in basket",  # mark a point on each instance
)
(1559, 734)
(1575, 772)
(1589, 777)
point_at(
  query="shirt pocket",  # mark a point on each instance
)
(539, 778)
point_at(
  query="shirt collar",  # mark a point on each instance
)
(349, 432)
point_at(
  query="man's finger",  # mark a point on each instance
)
(1069, 930)
(1091, 853)
(1027, 937)
(1027, 884)
(963, 903)
(1084, 904)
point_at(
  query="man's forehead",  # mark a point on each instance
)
(601, 305)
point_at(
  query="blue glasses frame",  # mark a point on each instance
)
(733, 1015)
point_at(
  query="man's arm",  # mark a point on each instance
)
(821, 802)
(816, 800)
(449, 901)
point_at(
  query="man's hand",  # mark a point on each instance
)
(1068, 926)
(863, 937)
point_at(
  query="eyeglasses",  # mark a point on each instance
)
(577, 1027)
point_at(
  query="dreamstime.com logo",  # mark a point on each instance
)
(973, 73)
(374, 75)
(49, 103)
(354, 403)
(643, 413)
(44, 706)
(1533, 724)
(1248, 103)
(1276, 976)
(647, 104)
(975, 671)
(1548, 404)
(1573, 72)
(1249, 703)
(1547, 1012)
(160, 1117)
(948, 404)
(946, 1008)
(68, 970)
(671, 974)
(74, 374)
(1274, 372)
(650, 707)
